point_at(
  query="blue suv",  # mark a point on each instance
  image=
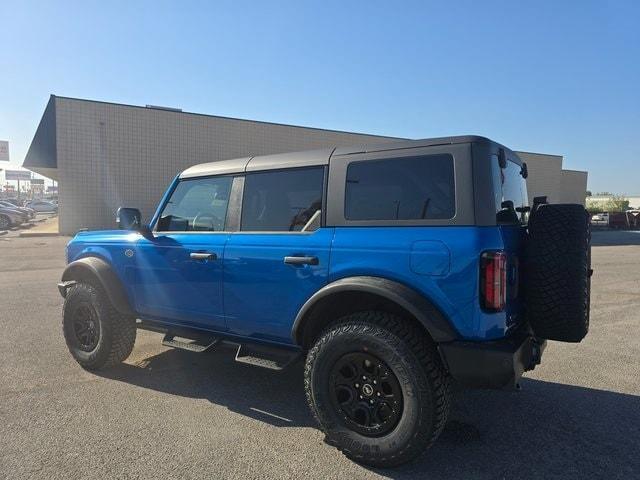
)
(394, 270)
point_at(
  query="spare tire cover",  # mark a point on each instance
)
(557, 272)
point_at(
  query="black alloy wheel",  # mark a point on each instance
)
(366, 393)
(86, 327)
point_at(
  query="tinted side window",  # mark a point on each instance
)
(284, 200)
(197, 205)
(407, 188)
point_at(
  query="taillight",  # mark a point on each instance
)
(493, 280)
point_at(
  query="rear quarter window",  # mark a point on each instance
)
(509, 185)
(406, 188)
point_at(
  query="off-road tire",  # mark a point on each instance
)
(117, 331)
(411, 356)
(557, 272)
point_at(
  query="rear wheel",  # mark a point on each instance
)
(97, 335)
(376, 386)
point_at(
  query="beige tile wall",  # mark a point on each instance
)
(113, 155)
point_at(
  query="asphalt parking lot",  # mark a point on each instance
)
(174, 414)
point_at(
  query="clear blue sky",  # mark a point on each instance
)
(555, 77)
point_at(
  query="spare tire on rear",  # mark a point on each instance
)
(557, 272)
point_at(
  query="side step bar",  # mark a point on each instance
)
(266, 357)
(200, 345)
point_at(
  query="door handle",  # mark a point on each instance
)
(203, 256)
(294, 260)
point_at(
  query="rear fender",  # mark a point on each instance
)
(409, 300)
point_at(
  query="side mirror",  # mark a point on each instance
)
(129, 219)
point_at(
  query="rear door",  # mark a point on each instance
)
(280, 256)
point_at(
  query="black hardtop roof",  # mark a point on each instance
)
(322, 156)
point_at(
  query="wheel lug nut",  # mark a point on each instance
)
(360, 397)
(371, 402)
(364, 378)
(357, 385)
(378, 393)
(374, 382)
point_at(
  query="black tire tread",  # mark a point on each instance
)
(557, 269)
(391, 328)
(122, 327)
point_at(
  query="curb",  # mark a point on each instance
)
(39, 234)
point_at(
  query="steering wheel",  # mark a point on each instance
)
(206, 222)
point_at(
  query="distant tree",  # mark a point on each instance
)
(588, 193)
(603, 194)
(613, 204)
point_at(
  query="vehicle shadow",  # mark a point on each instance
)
(602, 238)
(273, 397)
(547, 430)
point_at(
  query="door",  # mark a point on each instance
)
(280, 256)
(179, 272)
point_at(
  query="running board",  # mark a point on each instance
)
(266, 357)
(200, 345)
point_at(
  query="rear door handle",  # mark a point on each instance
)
(203, 256)
(301, 260)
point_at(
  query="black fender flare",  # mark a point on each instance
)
(436, 324)
(97, 270)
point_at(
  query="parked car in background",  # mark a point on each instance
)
(10, 217)
(633, 216)
(42, 206)
(14, 201)
(30, 212)
(600, 219)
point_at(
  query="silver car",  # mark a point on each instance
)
(11, 218)
(42, 206)
(31, 213)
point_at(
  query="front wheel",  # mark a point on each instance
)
(378, 389)
(97, 335)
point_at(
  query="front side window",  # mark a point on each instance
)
(407, 188)
(283, 200)
(197, 205)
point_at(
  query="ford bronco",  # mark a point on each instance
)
(394, 270)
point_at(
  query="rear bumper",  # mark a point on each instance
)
(494, 364)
